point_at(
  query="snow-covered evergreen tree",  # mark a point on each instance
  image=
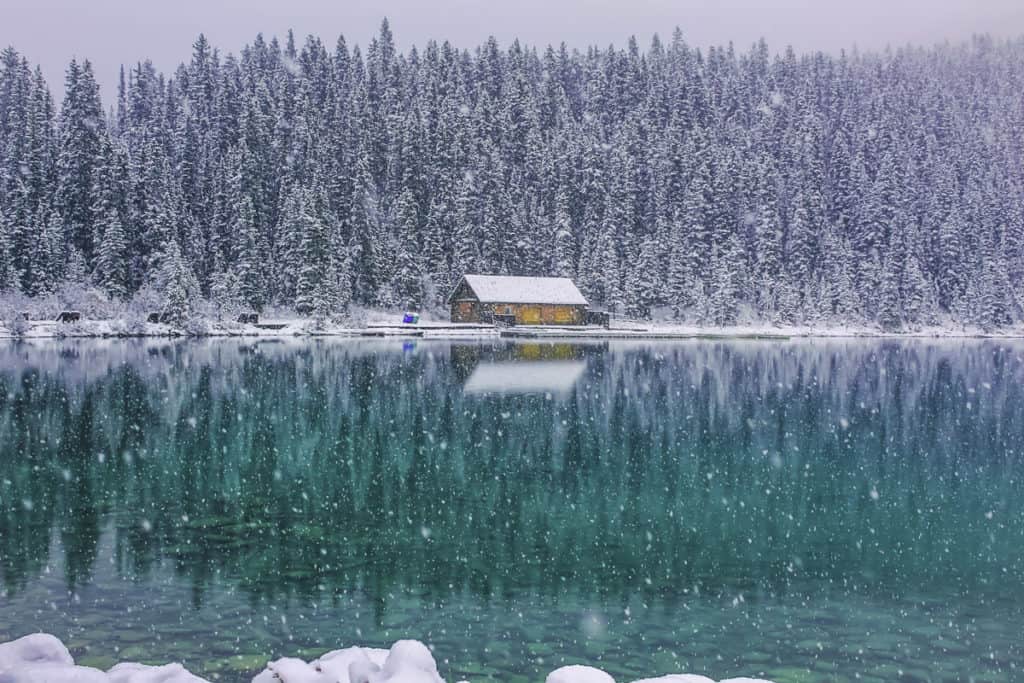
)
(179, 286)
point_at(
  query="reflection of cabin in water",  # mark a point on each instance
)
(525, 377)
(466, 357)
(520, 367)
(526, 300)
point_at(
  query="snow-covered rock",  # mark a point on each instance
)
(579, 674)
(335, 664)
(130, 672)
(290, 670)
(408, 661)
(53, 673)
(37, 648)
(42, 658)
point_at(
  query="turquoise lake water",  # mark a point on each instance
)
(827, 510)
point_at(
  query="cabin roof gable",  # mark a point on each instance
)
(509, 289)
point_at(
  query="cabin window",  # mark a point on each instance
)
(508, 310)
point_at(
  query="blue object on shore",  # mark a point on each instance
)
(410, 319)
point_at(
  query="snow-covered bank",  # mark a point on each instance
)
(305, 327)
(277, 328)
(43, 658)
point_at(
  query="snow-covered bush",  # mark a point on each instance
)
(226, 300)
(12, 316)
(173, 288)
(196, 326)
(149, 299)
(130, 324)
(356, 316)
(90, 301)
(15, 324)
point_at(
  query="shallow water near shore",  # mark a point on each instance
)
(813, 510)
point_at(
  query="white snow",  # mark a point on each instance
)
(53, 673)
(335, 664)
(290, 670)
(409, 661)
(579, 674)
(130, 672)
(389, 325)
(38, 648)
(507, 289)
(42, 658)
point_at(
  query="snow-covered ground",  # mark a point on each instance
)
(387, 326)
(286, 327)
(42, 658)
(683, 331)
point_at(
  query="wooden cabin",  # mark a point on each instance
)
(524, 300)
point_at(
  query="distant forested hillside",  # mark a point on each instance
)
(711, 186)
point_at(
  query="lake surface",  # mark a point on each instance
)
(804, 511)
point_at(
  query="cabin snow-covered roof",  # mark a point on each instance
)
(508, 289)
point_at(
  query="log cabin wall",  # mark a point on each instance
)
(467, 311)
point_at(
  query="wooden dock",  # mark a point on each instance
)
(604, 333)
(389, 332)
(431, 327)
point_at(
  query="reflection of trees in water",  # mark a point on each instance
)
(312, 469)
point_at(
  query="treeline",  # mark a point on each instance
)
(710, 186)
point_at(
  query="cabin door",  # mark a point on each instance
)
(530, 315)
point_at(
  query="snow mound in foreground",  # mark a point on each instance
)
(42, 658)
(408, 661)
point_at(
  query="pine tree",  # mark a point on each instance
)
(562, 247)
(992, 308)
(951, 277)
(643, 291)
(48, 259)
(249, 270)
(917, 297)
(81, 137)
(112, 258)
(110, 242)
(179, 286)
(226, 295)
(408, 279)
(313, 287)
(888, 313)
(9, 278)
(722, 303)
(364, 234)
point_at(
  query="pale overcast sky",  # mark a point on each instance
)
(112, 32)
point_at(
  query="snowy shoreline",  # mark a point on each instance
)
(43, 658)
(122, 329)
